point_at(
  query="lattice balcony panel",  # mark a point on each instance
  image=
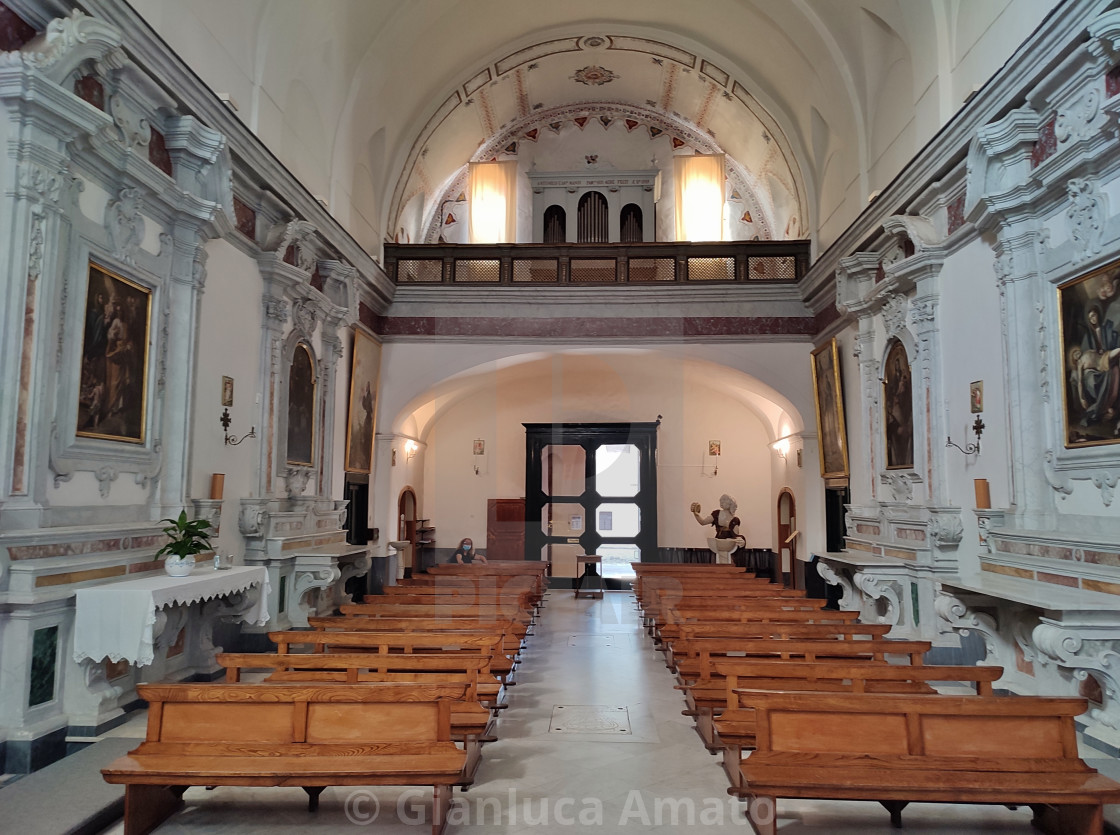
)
(593, 271)
(478, 272)
(652, 269)
(711, 269)
(536, 271)
(772, 268)
(419, 271)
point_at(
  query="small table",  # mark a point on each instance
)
(590, 570)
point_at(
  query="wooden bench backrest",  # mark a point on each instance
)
(681, 614)
(388, 641)
(742, 673)
(1000, 727)
(435, 608)
(732, 629)
(705, 650)
(265, 714)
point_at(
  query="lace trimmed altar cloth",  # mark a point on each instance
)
(117, 620)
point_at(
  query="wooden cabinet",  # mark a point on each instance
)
(505, 529)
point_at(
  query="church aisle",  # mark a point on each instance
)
(593, 739)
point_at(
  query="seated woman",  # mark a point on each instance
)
(465, 553)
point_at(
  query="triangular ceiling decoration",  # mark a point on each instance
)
(631, 124)
(654, 132)
(450, 219)
(580, 121)
(462, 198)
(677, 143)
(606, 120)
(531, 135)
(555, 126)
(511, 148)
(735, 195)
(746, 218)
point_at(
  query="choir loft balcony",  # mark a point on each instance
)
(744, 263)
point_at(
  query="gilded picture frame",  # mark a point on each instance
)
(1089, 316)
(365, 369)
(113, 389)
(829, 399)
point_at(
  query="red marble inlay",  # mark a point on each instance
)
(880, 273)
(15, 32)
(1056, 579)
(158, 155)
(491, 326)
(290, 255)
(1021, 663)
(1046, 145)
(366, 315)
(1112, 82)
(139, 567)
(956, 214)
(825, 318)
(1090, 689)
(1102, 557)
(317, 279)
(245, 219)
(90, 90)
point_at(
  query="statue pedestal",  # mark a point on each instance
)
(723, 549)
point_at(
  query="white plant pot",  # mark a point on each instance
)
(179, 566)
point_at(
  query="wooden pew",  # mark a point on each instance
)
(675, 617)
(754, 630)
(694, 658)
(471, 722)
(312, 736)
(486, 642)
(512, 633)
(733, 711)
(898, 749)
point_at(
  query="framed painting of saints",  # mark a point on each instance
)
(1090, 337)
(112, 394)
(898, 409)
(361, 425)
(301, 407)
(830, 411)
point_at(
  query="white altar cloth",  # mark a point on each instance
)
(116, 620)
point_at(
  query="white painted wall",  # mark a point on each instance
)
(229, 344)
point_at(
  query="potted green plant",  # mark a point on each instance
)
(186, 538)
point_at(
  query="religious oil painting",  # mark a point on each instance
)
(976, 397)
(301, 407)
(363, 403)
(1090, 337)
(112, 397)
(227, 391)
(898, 409)
(830, 411)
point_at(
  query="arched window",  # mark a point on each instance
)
(555, 225)
(592, 222)
(631, 223)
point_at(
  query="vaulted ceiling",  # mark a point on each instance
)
(377, 105)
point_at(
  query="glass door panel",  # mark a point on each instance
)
(617, 470)
(564, 519)
(563, 470)
(562, 557)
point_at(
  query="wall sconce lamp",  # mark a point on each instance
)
(410, 448)
(969, 449)
(232, 440)
(784, 445)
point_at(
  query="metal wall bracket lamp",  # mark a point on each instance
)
(969, 449)
(233, 440)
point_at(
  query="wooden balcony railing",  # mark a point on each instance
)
(742, 262)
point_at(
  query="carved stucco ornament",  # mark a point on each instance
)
(125, 224)
(895, 311)
(1086, 216)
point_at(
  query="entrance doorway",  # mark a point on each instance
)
(788, 535)
(406, 527)
(591, 488)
